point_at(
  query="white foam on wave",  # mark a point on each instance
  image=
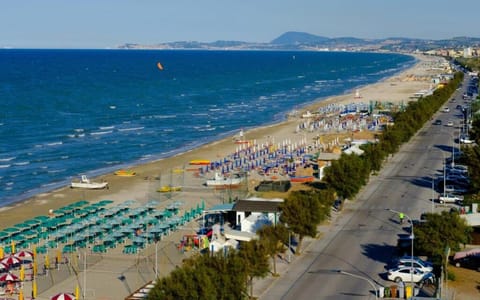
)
(106, 127)
(164, 116)
(21, 163)
(131, 128)
(54, 143)
(4, 166)
(56, 171)
(7, 158)
(101, 132)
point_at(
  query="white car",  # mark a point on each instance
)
(446, 109)
(465, 139)
(449, 198)
(417, 264)
(450, 123)
(403, 274)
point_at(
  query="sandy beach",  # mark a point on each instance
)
(177, 171)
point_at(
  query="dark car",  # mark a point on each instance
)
(469, 262)
(437, 122)
(404, 244)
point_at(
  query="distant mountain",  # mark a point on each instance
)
(294, 40)
(293, 37)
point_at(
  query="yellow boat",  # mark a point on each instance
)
(200, 162)
(125, 173)
(169, 188)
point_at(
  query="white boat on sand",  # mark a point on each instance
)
(221, 180)
(85, 183)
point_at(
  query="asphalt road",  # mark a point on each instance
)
(362, 239)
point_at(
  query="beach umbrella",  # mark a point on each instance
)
(10, 260)
(8, 277)
(2, 252)
(63, 296)
(20, 294)
(77, 292)
(4, 267)
(24, 254)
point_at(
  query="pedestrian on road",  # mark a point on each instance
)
(401, 216)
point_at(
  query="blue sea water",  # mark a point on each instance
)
(70, 112)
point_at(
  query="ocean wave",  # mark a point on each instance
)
(4, 166)
(106, 127)
(22, 163)
(7, 159)
(101, 132)
(56, 171)
(131, 128)
(163, 116)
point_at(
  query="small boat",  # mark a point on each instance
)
(302, 179)
(125, 173)
(200, 162)
(169, 189)
(159, 66)
(220, 180)
(85, 183)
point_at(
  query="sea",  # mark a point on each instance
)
(64, 113)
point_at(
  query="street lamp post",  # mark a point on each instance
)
(360, 277)
(433, 195)
(156, 258)
(412, 236)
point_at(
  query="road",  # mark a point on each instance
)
(362, 239)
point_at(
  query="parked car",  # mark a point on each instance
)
(450, 123)
(404, 244)
(450, 198)
(409, 258)
(469, 262)
(403, 274)
(465, 139)
(437, 122)
(456, 171)
(453, 189)
(446, 109)
(469, 259)
(457, 167)
(420, 265)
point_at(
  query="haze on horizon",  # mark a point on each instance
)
(109, 23)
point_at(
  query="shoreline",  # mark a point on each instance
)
(58, 197)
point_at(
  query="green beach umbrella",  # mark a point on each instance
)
(11, 230)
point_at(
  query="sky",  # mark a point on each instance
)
(110, 23)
